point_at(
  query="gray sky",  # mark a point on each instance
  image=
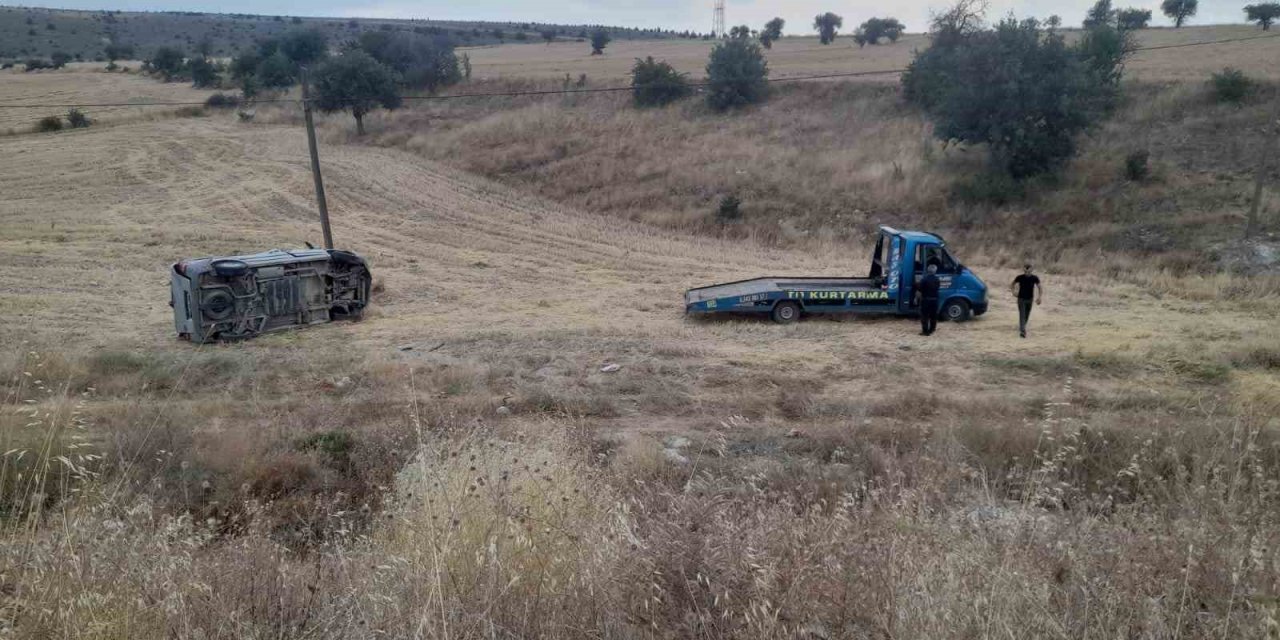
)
(668, 14)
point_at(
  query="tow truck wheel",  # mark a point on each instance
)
(786, 312)
(956, 310)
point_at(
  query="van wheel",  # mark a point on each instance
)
(786, 312)
(957, 310)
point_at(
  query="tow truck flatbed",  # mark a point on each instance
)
(896, 267)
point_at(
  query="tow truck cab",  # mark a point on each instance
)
(901, 257)
(897, 264)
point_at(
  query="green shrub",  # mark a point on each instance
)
(168, 62)
(35, 64)
(275, 71)
(422, 61)
(118, 51)
(59, 59)
(336, 447)
(1022, 91)
(874, 29)
(1231, 86)
(730, 209)
(992, 187)
(222, 101)
(827, 24)
(50, 124)
(1137, 165)
(77, 119)
(599, 40)
(737, 75)
(1130, 19)
(655, 84)
(203, 73)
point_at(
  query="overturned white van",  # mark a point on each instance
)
(239, 297)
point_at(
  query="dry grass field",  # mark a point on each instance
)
(86, 83)
(795, 56)
(457, 465)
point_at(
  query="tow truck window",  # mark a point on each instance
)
(927, 255)
(946, 263)
(877, 259)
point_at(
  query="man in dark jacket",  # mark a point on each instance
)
(927, 297)
(1027, 288)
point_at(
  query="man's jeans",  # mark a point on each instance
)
(1024, 313)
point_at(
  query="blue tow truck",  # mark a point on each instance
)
(896, 266)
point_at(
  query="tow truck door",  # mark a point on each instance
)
(899, 277)
(922, 254)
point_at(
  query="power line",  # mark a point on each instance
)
(1200, 44)
(125, 104)
(546, 92)
(503, 94)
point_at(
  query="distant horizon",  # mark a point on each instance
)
(614, 13)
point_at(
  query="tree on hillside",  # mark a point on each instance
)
(245, 64)
(827, 25)
(1130, 19)
(872, 30)
(167, 61)
(1179, 10)
(203, 73)
(1100, 14)
(305, 47)
(599, 40)
(275, 71)
(655, 84)
(772, 31)
(1053, 22)
(117, 51)
(1020, 90)
(354, 82)
(422, 61)
(1264, 13)
(737, 75)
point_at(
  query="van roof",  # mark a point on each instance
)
(912, 235)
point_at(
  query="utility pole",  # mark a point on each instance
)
(315, 164)
(1251, 224)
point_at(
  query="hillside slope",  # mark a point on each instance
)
(832, 160)
(38, 32)
(494, 314)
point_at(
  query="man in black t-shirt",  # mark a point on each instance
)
(927, 296)
(1027, 288)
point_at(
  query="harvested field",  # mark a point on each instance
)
(87, 83)
(794, 56)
